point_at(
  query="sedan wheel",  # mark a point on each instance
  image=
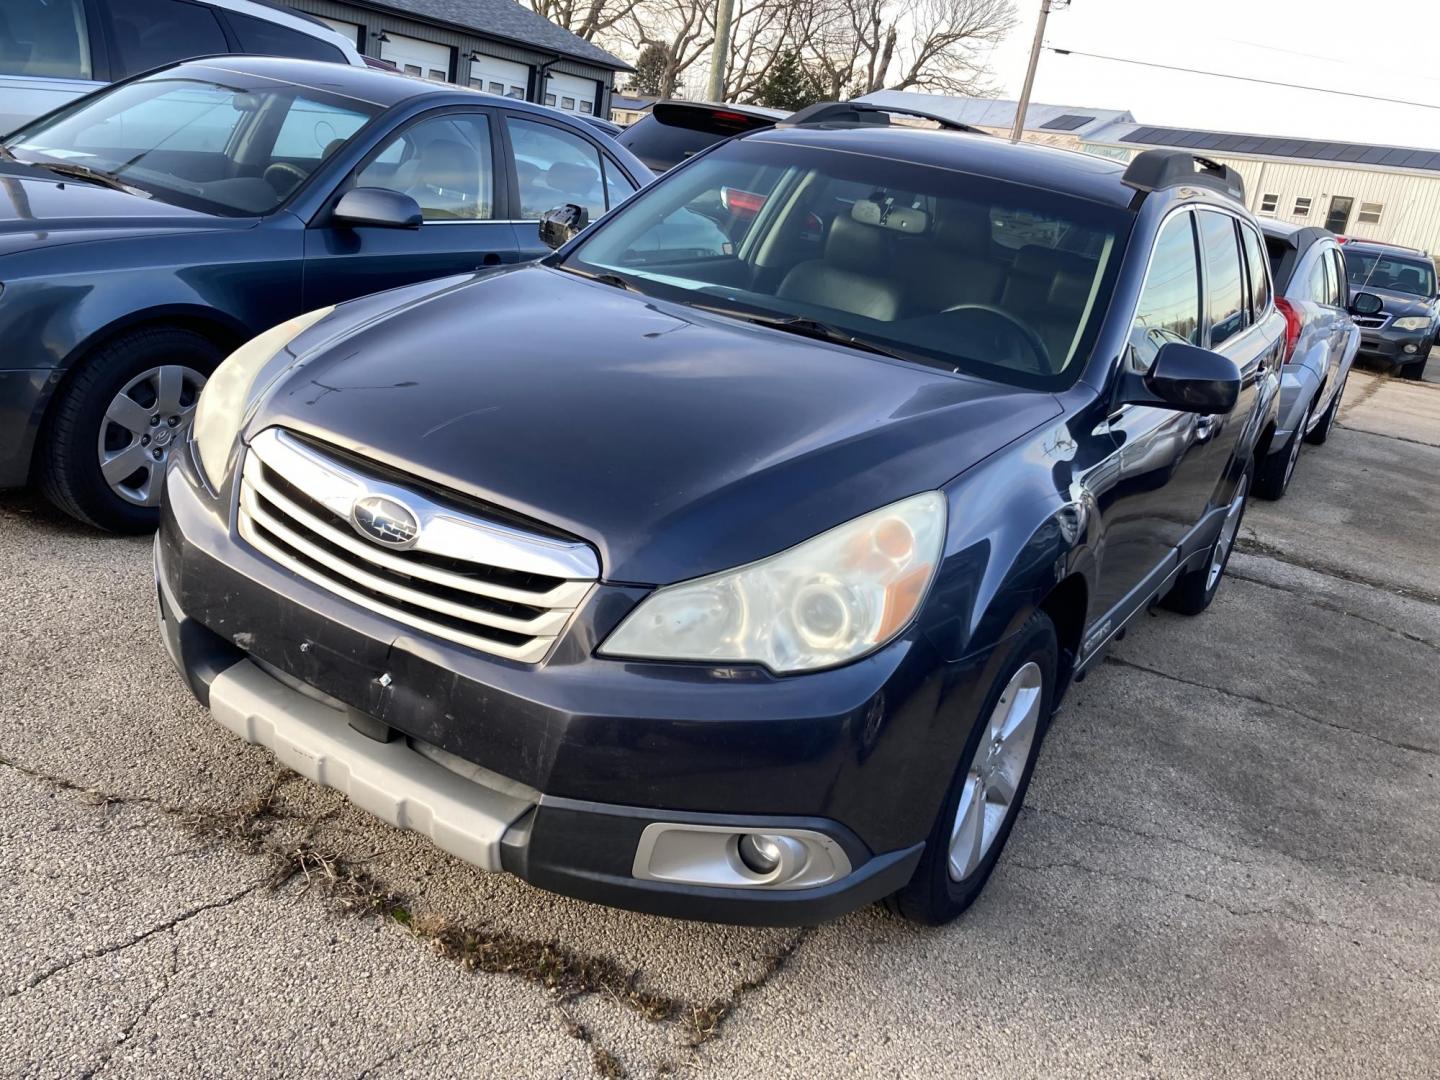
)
(994, 775)
(143, 424)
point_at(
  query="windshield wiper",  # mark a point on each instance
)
(95, 176)
(811, 328)
(603, 278)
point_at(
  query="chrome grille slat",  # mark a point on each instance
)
(1371, 322)
(545, 577)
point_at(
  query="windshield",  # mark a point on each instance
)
(235, 150)
(1395, 273)
(930, 264)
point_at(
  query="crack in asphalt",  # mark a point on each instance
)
(1251, 546)
(1383, 435)
(129, 1029)
(1256, 699)
(185, 916)
(396, 1052)
(1327, 605)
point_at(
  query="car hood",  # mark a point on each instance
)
(38, 209)
(1397, 304)
(678, 443)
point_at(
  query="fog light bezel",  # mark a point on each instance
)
(709, 855)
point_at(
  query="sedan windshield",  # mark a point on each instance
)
(224, 149)
(925, 263)
(1413, 276)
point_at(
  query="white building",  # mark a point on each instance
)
(1388, 193)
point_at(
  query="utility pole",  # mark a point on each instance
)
(720, 54)
(1024, 105)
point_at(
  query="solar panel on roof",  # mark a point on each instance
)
(1265, 146)
(1374, 154)
(1066, 122)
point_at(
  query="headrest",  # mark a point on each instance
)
(856, 246)
(571, 177)
(966, 229)
(903, 219)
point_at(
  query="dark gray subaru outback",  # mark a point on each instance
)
(735, 578)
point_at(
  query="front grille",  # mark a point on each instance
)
(477, 581)
(1371, 322)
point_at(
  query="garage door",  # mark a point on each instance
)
(416, 57)
(349, 30)
(496, 76)
(571, 93)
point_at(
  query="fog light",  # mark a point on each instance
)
(1412, 347)
(760, 853)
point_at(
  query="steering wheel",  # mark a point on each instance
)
(1002, 325)
(284, 177)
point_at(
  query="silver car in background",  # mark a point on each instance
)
(1321, 339)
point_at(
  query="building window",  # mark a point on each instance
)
(1370, 213)
(567, 103)
(412, 69)
(497, 87)
(550, 99)
(436, 76)
(586, 107)
(477, 84)
(1269, 203)
(517, 92)
(1302, 206)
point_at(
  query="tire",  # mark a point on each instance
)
(936, 893)
(90, 420)
(1414, 371)
(1196, 588)
(1327, 419)
(1273, 475)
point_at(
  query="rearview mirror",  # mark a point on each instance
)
(1186, 378)
(379, 207)
(1365, 304)
(561, 225)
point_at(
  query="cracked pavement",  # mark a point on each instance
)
(1228, 864)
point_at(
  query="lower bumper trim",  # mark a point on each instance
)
(390, 780)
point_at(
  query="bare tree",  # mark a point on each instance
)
(681, 30)
(585, 18)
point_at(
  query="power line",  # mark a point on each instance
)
(1243, 78)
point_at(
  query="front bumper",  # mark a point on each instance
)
(576, 756)
(1396, 346)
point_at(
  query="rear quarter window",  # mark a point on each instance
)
(270, 39)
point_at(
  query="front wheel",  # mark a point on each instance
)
(1414, 371)
(1196, 588)
(985, 796)
(122, 416)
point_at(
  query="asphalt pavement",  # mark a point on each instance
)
(1228, 864)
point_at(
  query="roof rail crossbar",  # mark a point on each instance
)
(867, 113)
(1152, 170)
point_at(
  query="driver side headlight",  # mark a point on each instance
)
(227, 392)
(1412, 322)
(824, 602)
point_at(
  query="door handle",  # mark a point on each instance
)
(1204, 427)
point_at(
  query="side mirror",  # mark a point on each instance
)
(561, 225)
(1186, 378)
(1365, 304)
(379, 207)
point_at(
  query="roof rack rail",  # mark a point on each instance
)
(866, 113)
(1152, 170)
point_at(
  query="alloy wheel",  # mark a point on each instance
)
(1226, 540)
(993, 778)
(1295, 441)
(143, 424)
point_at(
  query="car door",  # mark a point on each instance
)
(553, 164)
(1161, 487)
(445, 161)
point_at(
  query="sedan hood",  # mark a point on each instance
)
(678, 443)
(1398, 304)
(39, 209)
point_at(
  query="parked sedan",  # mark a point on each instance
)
(147, 230)
(739, 585)
(1321, 339)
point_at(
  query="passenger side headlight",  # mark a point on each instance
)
(1412, 322)
(222, 404)
(829, 600)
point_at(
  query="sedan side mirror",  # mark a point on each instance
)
(1365, 304)
(1186, 378)
(561, 225)
(379, 207)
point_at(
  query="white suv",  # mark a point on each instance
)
(53, 51)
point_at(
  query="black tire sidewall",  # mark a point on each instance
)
(70, 465)
(933, 896)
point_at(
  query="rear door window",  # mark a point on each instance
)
(46, 38)
(1259, 271)
(264, 38)
(150, 33)
(554, 167)
(1342, 297)
(1224, 276)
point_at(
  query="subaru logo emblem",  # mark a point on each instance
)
(385, 521)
